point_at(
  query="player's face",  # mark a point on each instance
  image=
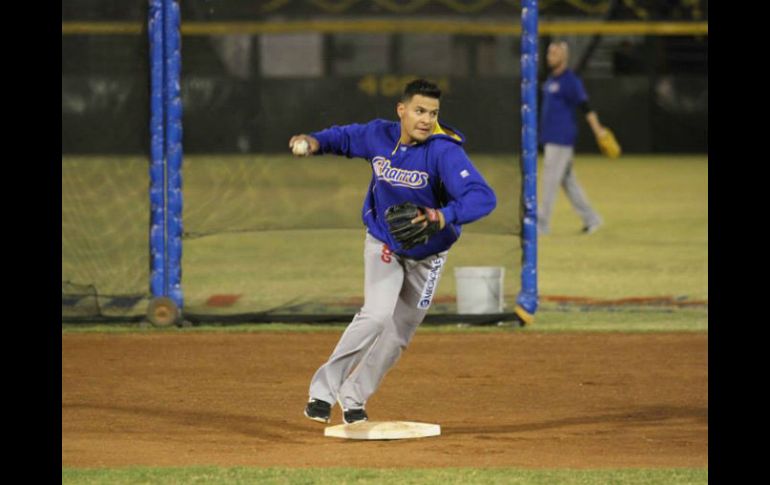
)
(557, 55)
(418, 118)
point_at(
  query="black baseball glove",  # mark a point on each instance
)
(409, 234)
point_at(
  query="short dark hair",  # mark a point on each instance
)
(421, 87)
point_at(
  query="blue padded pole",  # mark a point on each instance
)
(157, 176)
(173, 104)
(527, 300)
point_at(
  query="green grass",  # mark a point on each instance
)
(547, 320)
(654, 241)
(655, 238)
(621, 320)
(339, 476)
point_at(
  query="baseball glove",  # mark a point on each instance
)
(608, 144)
(399, 218)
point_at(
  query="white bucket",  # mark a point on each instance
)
(479, 289)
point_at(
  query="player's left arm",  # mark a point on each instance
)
(605, 138)
(580, 97)
(593, 121)
(470, 196)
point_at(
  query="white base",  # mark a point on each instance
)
(383, 430)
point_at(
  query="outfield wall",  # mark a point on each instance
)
(103, 113)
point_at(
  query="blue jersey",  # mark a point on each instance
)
(436, 173)
(561, 95)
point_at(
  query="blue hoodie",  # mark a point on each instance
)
(561, 95)
(436, 173)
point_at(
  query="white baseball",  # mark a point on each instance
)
(300, 147)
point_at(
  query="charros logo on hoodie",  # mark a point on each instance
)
(414, 179)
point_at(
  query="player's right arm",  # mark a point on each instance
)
(348, 140)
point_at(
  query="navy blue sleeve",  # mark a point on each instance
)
(578, 91)
(347, 140)
(471, 198)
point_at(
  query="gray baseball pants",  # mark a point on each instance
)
(397, 294)
(557, 170)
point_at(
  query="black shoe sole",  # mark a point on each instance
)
(316, 418)
(353, 422)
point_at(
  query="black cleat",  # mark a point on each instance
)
(350, 416)
(592, 228)
(318, 410)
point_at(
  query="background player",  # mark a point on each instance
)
(563, 91)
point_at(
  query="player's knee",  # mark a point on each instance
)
(378, 319)
(392, 348)
(401, 336)
(401, 341)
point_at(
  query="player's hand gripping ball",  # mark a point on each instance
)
(409, 234)
(300, 148)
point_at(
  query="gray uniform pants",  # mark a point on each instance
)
(397, 294)
(557, 170)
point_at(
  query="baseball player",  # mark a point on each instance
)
(423, 189)
(562, 92)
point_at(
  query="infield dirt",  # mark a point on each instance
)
(531, 400)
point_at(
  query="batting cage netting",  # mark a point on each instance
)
(264, 233)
